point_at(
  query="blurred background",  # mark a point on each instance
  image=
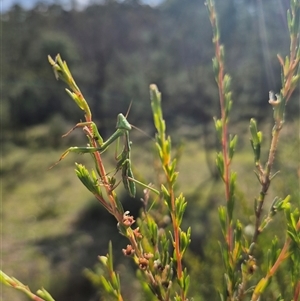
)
(52, 228)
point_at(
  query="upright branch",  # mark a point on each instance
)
(232, 233)
(176, 205)
(289, 80)
(290, 74)
(224, 157)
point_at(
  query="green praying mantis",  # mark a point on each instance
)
(123, 126)
(123, 159)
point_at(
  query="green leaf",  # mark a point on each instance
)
(260, 288)
(45, 295)
(256, 139)
(231, 201)
(253, 131)
(232, 145)
(90, 182)
(223, 218)
(220, 164)
(219, 128)
(180, 206)
(226, 84)
(216, 68)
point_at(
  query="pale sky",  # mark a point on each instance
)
(27, 4)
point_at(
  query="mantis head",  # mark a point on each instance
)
(122, 123)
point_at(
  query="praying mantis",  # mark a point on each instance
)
(123, 126)
(123, 159)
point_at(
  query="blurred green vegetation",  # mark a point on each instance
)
(51, 227)
(116, 49)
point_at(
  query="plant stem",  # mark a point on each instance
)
(224, 118)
